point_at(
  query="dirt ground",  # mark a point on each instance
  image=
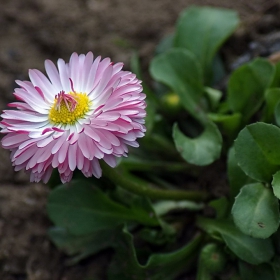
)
(32, 31)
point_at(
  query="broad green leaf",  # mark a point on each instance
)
(277, 113)
(237, 178)
(125, 264)
(276, 78)
(247, 85)
(255, 272)
(256, 211)
(272, 97)
(82, 246)
(202, 150)
(276, 184)
(203, 30)
(178, 69)
(276, 267)
(82, 209)
(252, 250)
(257, 150)
(276, 241)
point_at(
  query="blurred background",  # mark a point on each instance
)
(32, 31)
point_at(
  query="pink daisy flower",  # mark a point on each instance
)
(86, 110)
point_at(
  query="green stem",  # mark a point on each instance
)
(138, 164)
(159, 165)
(140, 187)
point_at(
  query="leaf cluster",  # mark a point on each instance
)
(191, 125)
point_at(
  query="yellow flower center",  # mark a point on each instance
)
(68, 108)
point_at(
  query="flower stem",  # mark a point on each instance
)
(138, 164)
(140, 187)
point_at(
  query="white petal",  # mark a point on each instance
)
(92, 75)
(53, 75)
(63, 74)
(72, 157)
(110, 160)
(62, 153)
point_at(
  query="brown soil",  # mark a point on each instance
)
(32, 31)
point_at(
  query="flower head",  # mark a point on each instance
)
(83, 111)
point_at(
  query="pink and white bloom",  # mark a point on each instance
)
(83, 111)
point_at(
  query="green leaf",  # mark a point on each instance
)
(81, 246)
(165, 44)
(203, 30)
(256, 211)
(276, 267)
(252, 250)
(157, 236)
(229, 123)
(277, 113)
(247, 86)
(221, 206)
(178, 69)
(218, 70)
(167, 266)
(259, 272)
(214, 96)
(203, 273)
(257, 151)
(82, 209)
(202, 150)
(276, 78)
(276, 184)
(237, 178)
(272, 97)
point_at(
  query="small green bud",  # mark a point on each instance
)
(213, 258)
(171, 102)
